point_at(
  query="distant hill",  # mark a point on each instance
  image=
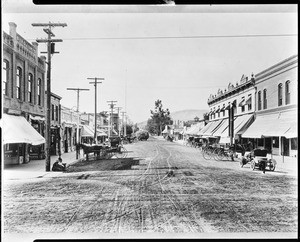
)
(189, 114)
(183, 115)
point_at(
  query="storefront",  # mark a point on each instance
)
(276, 132)
(18, 135)
(37, 151)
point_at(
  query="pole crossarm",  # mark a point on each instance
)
(48, 40)
(95, 82)
(50, 51)
(49, 24)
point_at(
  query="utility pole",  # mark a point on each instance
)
(95, 82)
(119, 130)
(78, 118)
(50, 50)
(111, 114)
(123, 113)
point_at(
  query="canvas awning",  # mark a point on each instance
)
(38, 118)
(272, 125)
(242, 103)
(221, 128)
(248, 101)
(87, 131)
(194, 130)
(292, 132)
(210, 130)
(240, 124)
(16, 129)
(201, 132)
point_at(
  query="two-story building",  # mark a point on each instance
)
(69, 122)
(23, 84)
(275, 125)
(55, 122)
(231, 112)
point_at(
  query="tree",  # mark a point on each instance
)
(159, 118)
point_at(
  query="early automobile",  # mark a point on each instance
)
(258, 159)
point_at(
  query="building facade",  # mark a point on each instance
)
(69, 119)
(275, 125)
(55, 122)
(231, 112)
(23, 82)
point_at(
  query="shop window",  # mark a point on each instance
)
(30, 87)
(260, 142)
(18, 82)
(280, 94)
(259, 100)
(56, 113)
(275, 142)
(287, 92)
(249, 102)
(5, 77)
(294, 144)
(39, 92)
(52, 112)
(265, 98)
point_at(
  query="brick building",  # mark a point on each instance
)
(239, 99)
(23, 89)
(275, 125)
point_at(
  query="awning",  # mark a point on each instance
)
(87, 131)
(16, 129)
(38, 118)
(272, 125)
(292, 132)
(221, 128)
(242, 103)
(240, 124)
(222, 109)
(101, 132)
(249, 100)
(206, 127)
(228, 106)
(194, 130)
(209, 132)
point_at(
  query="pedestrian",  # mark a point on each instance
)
(59, 165)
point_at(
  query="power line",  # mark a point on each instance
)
(186, 37)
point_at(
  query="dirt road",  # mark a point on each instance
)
(162, 187)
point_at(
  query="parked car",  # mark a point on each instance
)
(258, 159)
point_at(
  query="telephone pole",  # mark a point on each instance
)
(95, 82)
(78, 117)
(119, 130)
(111, 114)
(50, 50)
(123, 113)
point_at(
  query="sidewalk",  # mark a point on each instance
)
(288, 165)
(37, 168)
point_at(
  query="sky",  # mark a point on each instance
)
(197, 56)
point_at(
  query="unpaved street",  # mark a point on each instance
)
(162, 187)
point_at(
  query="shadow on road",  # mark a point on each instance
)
(104, 165)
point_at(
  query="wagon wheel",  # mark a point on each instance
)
(206, 154)
(215, 154)
(220, 154)
(122, 153)
(252, 165)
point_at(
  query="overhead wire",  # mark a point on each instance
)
(184, 37)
